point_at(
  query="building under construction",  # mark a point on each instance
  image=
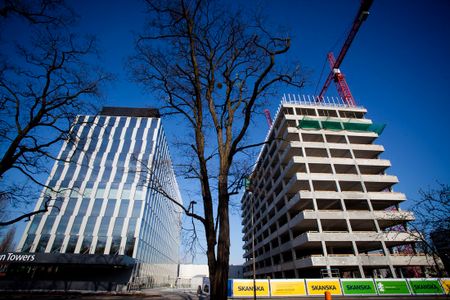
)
(321, 202)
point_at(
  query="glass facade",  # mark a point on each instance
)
(105, 203)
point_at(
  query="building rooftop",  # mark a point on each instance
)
(130, 112)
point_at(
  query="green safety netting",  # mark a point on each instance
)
(331, 125)
(307, 123)
(377, 128)
(356, 126)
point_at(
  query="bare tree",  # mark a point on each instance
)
(432, 212)
(47, 12)
(45, 81)
(214, 67)
(7, 242)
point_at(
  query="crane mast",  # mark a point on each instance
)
(335, 74)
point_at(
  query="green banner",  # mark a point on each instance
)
(426, 286)
(358, 287)
(392, 287)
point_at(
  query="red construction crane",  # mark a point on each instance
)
(268, 117)
(335, 73)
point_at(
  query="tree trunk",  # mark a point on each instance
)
(219, 283)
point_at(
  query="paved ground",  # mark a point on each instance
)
(156, 294)
(171, 294)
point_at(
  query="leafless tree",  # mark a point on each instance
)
(48, 12)
(45, 81)
(7, 241)
(432, 212)
(214, 67)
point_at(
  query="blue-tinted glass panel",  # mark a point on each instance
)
(57, 244)
(28, 243)
(137, 208)
(104, 225)
(34, 224)
(72, 244)
(118, 225)
(42, 244)
(89, 230)
(123, 208)
(48, 224)
(76, 225)
(101, 244)
(97, 207)
(83, 207)
(86, 245)
(140, 131)
(71, 206)
(129, 246)
(111, 204)
(100, 121)
(115, 246)
(132, 226)
(62, 226)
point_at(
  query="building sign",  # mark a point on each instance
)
(244, 288)
(425, 286)
(320, 286)
(16, 257)
(446, 285)
(392, 287)
(287, 287)
(358, 287)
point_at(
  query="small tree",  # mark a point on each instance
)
(432, 212)
(213, 67)
(45, 81)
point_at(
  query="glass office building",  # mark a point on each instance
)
(113, 181)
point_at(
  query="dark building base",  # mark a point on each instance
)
(57, 271)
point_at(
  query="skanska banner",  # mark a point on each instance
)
(242, 288)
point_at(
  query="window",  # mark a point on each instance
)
(129, 247)
(117, 231)
(100, 192)
(89, 230)
(87, 192)
(76, 225)
(86, 245)
(111, 204)
(101, 244)
(49, 224)
(34, 224)
(70, 206)
(42, 244)
(115, 246)
(104, 225)
(96, 207)
(126, 193)
(71, 244)
(132, 226)
(139, 195)
(136, 208)
(112, 193)
(123, 208)
(28, 243)
(57, 243)
(63, 224)
(83, 207)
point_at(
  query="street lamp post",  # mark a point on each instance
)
(248, 188)
(253, 244)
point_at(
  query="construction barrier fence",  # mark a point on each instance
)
(242, 288)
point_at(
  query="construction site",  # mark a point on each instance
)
(321, 203)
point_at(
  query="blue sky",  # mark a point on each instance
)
(398, 68)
